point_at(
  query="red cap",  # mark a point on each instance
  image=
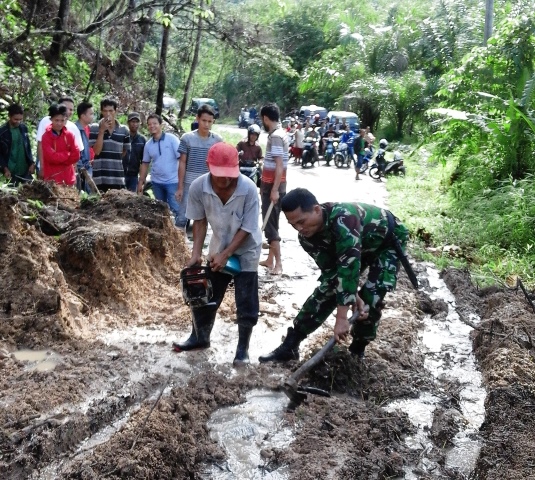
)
(223, 160)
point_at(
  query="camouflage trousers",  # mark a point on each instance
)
(382, 278)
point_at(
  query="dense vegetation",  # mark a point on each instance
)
(417, 72)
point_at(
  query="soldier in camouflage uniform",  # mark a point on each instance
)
(343, 239)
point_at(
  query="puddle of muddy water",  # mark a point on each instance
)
(448, 349)
(244, 431)
(38, 360)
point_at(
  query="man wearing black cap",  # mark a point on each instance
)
(132, 160)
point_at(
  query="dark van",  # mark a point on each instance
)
(311, 110)
(197, 102)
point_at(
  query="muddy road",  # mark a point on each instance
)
(90, 388)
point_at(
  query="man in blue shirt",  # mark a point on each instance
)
(348, 137)
(162, 151)
(85, 118)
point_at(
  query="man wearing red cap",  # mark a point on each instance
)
(228, 201)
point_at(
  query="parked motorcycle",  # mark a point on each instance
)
(331, 145)
(310, 152)
(342, 157)
(252, 169)
(382, 167)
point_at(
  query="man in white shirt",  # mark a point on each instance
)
(299, 138)
(71, 127)
(228, 202)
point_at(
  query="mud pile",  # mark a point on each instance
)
(65, 267)
(504, 346)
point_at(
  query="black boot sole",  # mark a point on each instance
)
(186, 348)
(267, 360)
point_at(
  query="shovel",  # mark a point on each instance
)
(268, 214)
(298, 394)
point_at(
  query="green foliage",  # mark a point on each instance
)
(406, 100)
(493, 117)
(494, 229)
(452, 30)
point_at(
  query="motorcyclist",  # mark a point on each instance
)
(330, 133)
(249, 149)
(383, 145)
(380, 157)
(313, 136)
(243, 119)
(348, 137)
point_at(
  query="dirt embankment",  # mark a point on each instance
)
(503, 343)
(67, 267)
(70, 272)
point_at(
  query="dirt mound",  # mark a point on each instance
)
(347, 439)
(503, 344)
(122, 251)
(64, 269)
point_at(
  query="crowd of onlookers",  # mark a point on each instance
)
(105, 155)
(318, 131)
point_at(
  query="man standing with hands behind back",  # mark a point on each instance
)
(273, 187)
(193, 150)
(132, 160)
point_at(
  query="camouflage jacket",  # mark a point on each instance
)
(352, 235)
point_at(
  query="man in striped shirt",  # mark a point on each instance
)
(111, 142)
(273, 187)
(193, 150)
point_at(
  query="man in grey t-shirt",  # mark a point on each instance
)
(193, 150)
(228, 201)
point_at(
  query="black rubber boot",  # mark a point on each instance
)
(202, 324)
(242, 351)
(288, 350)
(357, 347)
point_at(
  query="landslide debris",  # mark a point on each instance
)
(66, 266)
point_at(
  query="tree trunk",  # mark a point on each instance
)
(134, 45)
(32, 9)
(162, 76)
(400, 122)
(194, 63)
(56, 49)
